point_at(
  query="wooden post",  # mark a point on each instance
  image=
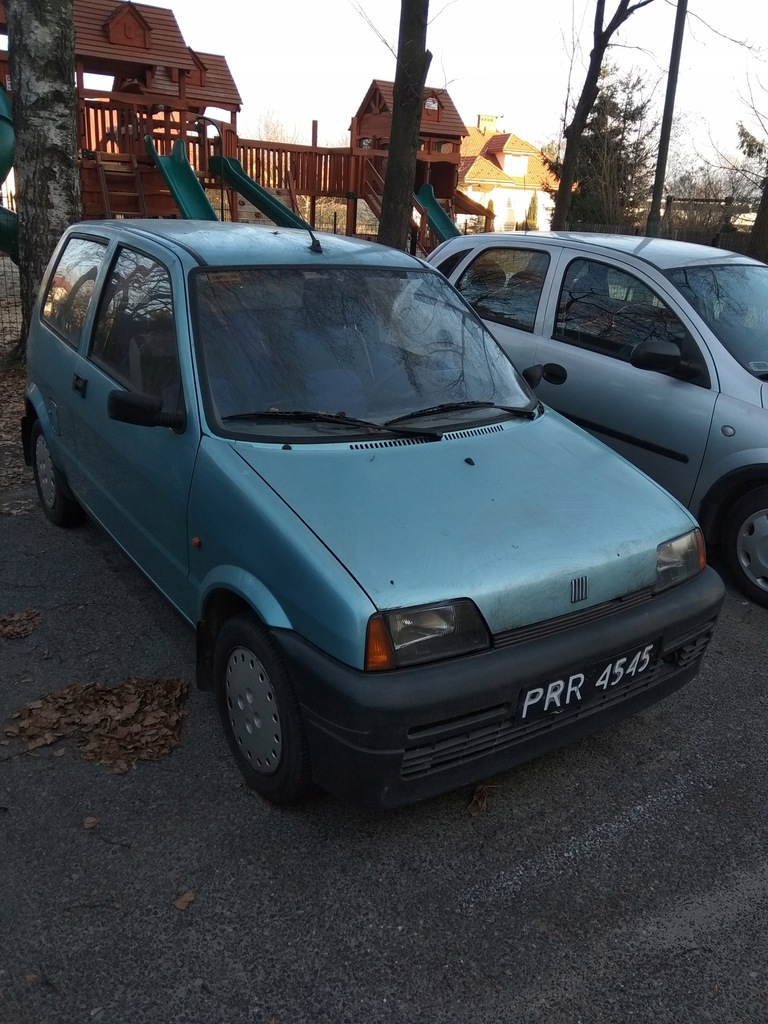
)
(313, 197)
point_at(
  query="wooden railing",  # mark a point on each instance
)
(118, 123)
(311, 171)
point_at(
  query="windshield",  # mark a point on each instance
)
(359, 344)
(733, 300)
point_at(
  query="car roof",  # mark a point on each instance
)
(663, 253)
(217, 243)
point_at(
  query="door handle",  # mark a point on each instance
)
(79, 384)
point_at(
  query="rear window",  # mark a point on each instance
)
(504, 285)
(70, 289)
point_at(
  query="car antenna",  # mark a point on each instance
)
(315, 247)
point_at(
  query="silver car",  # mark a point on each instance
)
(659, 348)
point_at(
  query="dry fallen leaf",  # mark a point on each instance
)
(479, 800)
(183, 901)
(90, 822)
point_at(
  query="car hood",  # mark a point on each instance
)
(507, 515)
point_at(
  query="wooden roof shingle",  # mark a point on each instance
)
(216, 88)
(449, 123)
(166, 48)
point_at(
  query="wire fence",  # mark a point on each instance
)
(10, 305)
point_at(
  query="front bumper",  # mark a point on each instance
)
(382, 739)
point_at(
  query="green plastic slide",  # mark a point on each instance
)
(9, 222)
(188, 194)
(438, 219)
(233, 173)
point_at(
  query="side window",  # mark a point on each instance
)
(607, 310)
(504, 285)
(134, 339)
(71, 287)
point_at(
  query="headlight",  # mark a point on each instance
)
(410, 636)
(678, 559)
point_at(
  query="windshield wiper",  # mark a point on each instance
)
(528, 413)
(307, 416)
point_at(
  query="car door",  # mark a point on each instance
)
(504, 284)
(595, 320)
(136, 479)
(54, 341)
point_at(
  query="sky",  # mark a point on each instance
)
(303, 60)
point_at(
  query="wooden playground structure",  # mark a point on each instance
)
(160, 91)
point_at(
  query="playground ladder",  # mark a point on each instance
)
(121, 186)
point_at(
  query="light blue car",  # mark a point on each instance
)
(404, 573)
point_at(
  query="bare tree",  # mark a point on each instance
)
(413, 60)
(602, 35)
(41, 50)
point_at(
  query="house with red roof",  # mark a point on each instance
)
(505, 173)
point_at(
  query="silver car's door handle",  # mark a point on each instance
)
(79, 384)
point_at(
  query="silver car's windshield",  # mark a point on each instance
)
(733, 300)
(365, 343)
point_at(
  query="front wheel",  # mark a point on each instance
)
(260, 712)
(57, 502)
(745, 543)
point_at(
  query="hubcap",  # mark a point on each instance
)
(253, 711)
(45, 477)
(752, 548)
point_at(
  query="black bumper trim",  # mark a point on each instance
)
(390, 738)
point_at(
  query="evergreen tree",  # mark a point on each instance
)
(614, 171)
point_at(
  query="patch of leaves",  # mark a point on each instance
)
(115, 726)
(17, 506)
(19, 624)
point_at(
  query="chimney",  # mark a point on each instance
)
(486, 123)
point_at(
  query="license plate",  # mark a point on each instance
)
(585, 686)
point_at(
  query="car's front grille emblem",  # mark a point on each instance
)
(579, 589)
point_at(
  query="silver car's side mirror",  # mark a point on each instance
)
(654, 354)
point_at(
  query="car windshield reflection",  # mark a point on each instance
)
(733, 300)
(369, 345)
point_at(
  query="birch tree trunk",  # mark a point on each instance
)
(413, 60)
(41, 51)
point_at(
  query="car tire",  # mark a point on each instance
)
(745, 543)
(260, 712)
(52, 490)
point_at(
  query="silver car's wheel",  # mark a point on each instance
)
(55, 498)
(745, 537)
(260, 712)
(254, 715)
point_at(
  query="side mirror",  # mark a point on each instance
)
(552, 373)
(142, 410)
(654, 354)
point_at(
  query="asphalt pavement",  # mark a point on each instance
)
(622, 879)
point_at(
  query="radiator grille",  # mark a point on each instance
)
(445, 744)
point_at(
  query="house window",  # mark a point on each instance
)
(431, 109)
